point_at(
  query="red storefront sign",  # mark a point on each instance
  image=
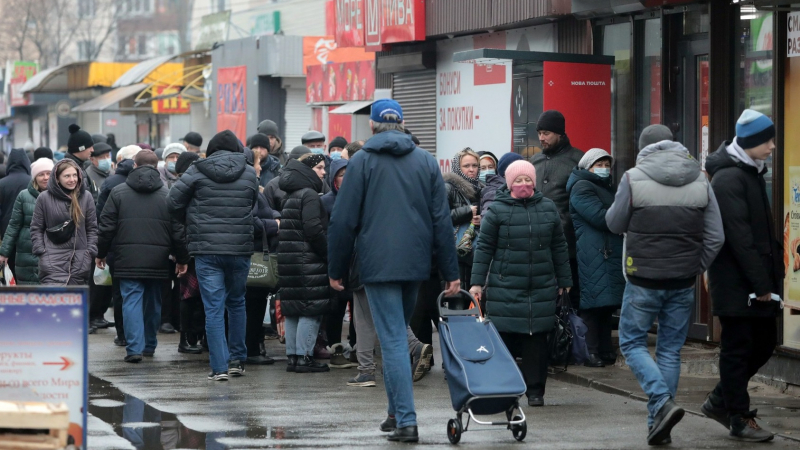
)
(571, 88)
(232, 100)
(14, 88)
(489, 73)
(341, 82)
(323, 50)
(392, 21)
(349, 23)
(172, 105)
(340, 125)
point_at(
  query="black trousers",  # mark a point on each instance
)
(335, 318)
(575, 292)
(532, 348)
(193, 319)
(99, 299)
(426, 313)
(171, 299)
(255, 300)
(599, 323)
(746, 345)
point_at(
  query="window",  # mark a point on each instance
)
(142, 45)
(85, 50)
(648, 108)
(86, 8)
(617, 42)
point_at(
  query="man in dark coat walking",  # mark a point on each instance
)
(17, 179)
(136, 220)
(215, 199)
(746, 274)
(393, 209)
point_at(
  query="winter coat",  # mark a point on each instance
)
(275, 195)
(138, 223)
(461, 197)
(17, 179)
(751, 260)
(264, 222)
(329, 199)
(553, 169)
(270, 168)
(599, 251)
(119, 176)
(18, 238)
(393, 212)
(303, 247)
(69, 263)
(522, 260)
(87, 186)
(215, 199)
(493, 184)
(167, 177)
(96, 180)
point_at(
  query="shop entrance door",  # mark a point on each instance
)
(692, 132)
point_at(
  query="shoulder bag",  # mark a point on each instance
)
(263, 267)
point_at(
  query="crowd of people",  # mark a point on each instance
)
(375, 228)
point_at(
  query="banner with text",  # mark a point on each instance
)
(232, 100)
(323, 50)
(390, 21)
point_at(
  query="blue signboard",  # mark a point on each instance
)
(43, 349)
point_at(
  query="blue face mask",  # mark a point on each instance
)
(318, 151)
(171, 166)
(485, 174)
(104, 165)
(336, 155)
(602, 172)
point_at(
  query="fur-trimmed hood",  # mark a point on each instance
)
(461, 185)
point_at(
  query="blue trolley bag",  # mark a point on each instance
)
(481, 373)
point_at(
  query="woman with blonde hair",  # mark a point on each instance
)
(463, 195)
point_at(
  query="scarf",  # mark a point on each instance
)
(737, 153)
(456, 167)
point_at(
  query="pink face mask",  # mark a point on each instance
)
(522, 190)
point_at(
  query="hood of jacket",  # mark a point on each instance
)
(392, 142)
(462, 185)
(144, 179)
(18, 161)
(721, 159)
(124, 167)
(296, 176)
(32, 189)
(583, 174)
(504, 196)
(56, 190)
(223, 166)
(668, 163)
(336, 166)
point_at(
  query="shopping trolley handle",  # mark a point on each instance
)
(474, 310)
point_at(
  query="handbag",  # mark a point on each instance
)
(61, 233)
(580, 351)
(559, 341)
(263, 268)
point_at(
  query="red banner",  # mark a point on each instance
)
(569, 88)
(323, 50)
(349, 23)
(232, 100)
(391, 21)
(340, 125)
(314, 84)
(341, 82)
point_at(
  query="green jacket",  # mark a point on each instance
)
(18, 237)
(523, 252)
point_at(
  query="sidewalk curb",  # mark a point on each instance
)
(580, 380)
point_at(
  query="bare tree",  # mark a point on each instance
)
(15, 18)
(99, 25)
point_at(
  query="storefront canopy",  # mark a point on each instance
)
(76, 76)
(353, 107)
(110, 98)
(495, 56)
(144, 69)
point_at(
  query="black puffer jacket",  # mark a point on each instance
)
(136, 220)
(751, 260)
(215, 199)
(17, 179)
(303, 246)
(123, 169)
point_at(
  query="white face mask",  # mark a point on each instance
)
(602, 172)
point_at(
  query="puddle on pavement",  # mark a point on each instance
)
(148, 428)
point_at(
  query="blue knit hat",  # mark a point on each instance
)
(753, 129)
(506, 161)
(383, 107)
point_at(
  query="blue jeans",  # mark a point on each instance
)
(640, 308)
(141, 307)
(301, 335)
(222, 280)
(392, 305)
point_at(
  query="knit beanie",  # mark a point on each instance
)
(79, 140)
(41, 165)
(552, 120)
(259, 140)
(313, 160)
(299, 151)
(506, 161)
(592, 156)
(42, 152)
(654, 133)
(224, 140)
(338, 141)
(184, 161)
(268, 128)
(518, 168)
(174, 148)
(753, 129)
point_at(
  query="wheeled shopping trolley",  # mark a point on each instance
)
(482, 375)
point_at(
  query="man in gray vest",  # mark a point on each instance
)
(673, 231)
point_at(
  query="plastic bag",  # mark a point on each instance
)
(8, 276)
(102, 277)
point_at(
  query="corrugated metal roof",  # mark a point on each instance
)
(459, 16)
(141, 70)
(55, 77)
(110, 98)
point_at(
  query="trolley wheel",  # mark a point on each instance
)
(519, 431)
(454, 430)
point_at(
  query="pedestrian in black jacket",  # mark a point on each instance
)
(267, 166)
(273, 191)
(79, 149)
(750, 263)
(17, 179)
(136, 219)
(463, 195)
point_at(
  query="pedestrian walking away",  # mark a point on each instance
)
(393, 188)
(667, 208)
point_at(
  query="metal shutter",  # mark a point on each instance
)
(416, 93)
(298, 117)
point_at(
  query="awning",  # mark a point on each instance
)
(54, 78)
(110, 98)
(352, 107)
(495, 56)
(76, 76)
(139, 72)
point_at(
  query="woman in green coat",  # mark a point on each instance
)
(18, 233)
(523, 262)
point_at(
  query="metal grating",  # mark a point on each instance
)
(459, 16)
(416, 93)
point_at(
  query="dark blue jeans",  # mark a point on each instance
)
(141, 306)
(222, 280)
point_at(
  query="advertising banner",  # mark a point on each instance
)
(172, 105)
(232, 100)
(43, 347)
(340, 125)
(314, 84)
(323, 50)
(17, 73)
(571, 88)
(349, 31)
(213, 28)
(391, 21)
(340, 82)
(793, 34)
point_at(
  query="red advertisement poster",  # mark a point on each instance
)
(232, 100)
(330, 17)
(314, 84)
(14, 86)
(490, 73)
(571, 88)
(366, 80)
(349, 25)
(323, 50)
(171, 105)
(340, 125)
(391, 21)
(341, 82)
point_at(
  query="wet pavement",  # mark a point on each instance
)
(166, 402)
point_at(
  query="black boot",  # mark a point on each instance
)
(184, 347)
(306, 364)
(292, 363)
(745, 428)
(594, 361)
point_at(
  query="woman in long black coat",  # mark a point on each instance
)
(303, 260)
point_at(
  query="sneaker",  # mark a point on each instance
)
(363, 380)
(712, 410)
(420, 360)
(133, 358)
(535, 401)
(338, 361)
(745, 428)
(219, 376)
(668, 416)
(235, 368)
